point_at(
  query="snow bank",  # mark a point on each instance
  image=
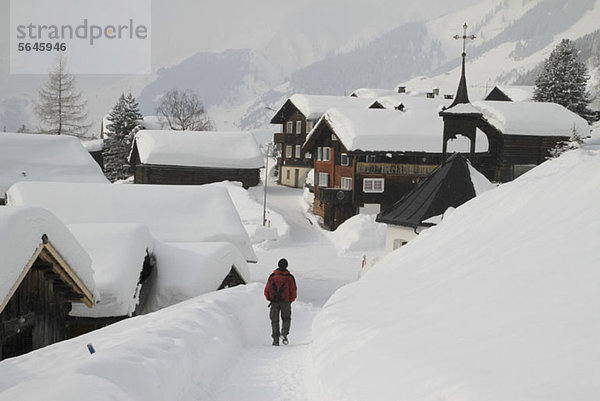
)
(359, 233)
(186, 270)
(173, 354)
(172, 213)
(34, 157)
(21, 231)
(251, 212)
(118, 252)
(485, 306)
(199, 149)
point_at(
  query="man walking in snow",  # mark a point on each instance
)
(281, 292)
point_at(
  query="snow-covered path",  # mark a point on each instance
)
(263, 372)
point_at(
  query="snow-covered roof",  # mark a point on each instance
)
(314, 106)
(94, 145)
(21, 231)
(532, 118)
(186, 270)
(175, 213)
(199, 149)
(413, 101)
(36, 157)
(117, 252)
(417, 130)
(372, 93)
(525, 118)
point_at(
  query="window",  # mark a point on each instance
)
(319, 153)
(298, 127)
(308, 155)
(347, 183)
(298, 150)
(344, 160)
(323, 179)
(373, 185)
(371, 158)
(288, 151)
(289, 127)
(326, 154)
(309, 126)
(287, 174)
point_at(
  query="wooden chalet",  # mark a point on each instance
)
(195, 158)
(40, 280)
(519, 134)
(449, 186)
(297, 116)
(365, 160)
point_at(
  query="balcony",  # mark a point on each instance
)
(334, 196)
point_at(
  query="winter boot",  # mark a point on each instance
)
(276, 341)
(285, 340)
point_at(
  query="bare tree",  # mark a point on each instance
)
(60, 107)
(184, 111)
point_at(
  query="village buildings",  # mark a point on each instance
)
(297, 117)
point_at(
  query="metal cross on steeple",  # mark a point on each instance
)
(461, 94)
(464, 37)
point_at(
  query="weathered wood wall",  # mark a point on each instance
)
(36, 314)
(179, 175)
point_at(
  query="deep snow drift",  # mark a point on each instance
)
(498, 302)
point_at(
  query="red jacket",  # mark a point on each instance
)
(281, 278)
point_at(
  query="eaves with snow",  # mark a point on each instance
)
(36, 157)
(212, 149)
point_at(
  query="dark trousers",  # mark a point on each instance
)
(285, 309)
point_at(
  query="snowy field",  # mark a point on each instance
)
(498, 302)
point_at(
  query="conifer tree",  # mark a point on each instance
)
(123, 118)
(60, 107)
(563, 80)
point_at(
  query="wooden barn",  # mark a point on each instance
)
(297, 116)
(43, 272)
(195, 158)
(449, 186)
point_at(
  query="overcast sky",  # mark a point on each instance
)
(181, 28)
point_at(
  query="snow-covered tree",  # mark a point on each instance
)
(60, 108)
(123, 119)
(563, 80)
(574, 142)
(184, 111)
